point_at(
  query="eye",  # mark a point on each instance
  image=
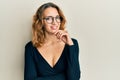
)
(48, 18)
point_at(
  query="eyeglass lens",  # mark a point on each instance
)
(50, 19)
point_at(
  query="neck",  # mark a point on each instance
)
(50, 38)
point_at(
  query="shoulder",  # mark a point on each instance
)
(29, 44)
(29, 48)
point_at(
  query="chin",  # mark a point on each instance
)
(54, 31)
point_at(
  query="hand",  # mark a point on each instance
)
(64, 36)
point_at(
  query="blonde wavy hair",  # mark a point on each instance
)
(38, 35)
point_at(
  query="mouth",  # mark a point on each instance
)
(54, 27)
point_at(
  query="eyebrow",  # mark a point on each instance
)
(52, 16)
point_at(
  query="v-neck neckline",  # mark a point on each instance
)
(47, 61)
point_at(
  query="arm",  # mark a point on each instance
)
(73, 69)
(30, 72)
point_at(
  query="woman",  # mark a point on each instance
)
(52, 54)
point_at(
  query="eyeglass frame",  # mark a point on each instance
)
(53, 18)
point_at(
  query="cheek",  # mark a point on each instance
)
(59, 25)
(46, 26)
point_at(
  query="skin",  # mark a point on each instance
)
(55, 39)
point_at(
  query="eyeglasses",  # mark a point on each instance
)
(50, 19)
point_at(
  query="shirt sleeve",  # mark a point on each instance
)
(73, 67)
(30, 72)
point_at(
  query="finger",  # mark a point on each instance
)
(63, 35)
(58, 34)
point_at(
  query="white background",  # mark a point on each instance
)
(94, 23)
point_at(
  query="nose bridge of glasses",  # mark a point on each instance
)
(54, 19)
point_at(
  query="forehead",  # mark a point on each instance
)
(50, 12)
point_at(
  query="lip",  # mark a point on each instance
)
(53, 27)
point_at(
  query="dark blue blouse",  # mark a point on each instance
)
(66, 68)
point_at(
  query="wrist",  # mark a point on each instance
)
(70, 42)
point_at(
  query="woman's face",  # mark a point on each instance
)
(51, 20)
